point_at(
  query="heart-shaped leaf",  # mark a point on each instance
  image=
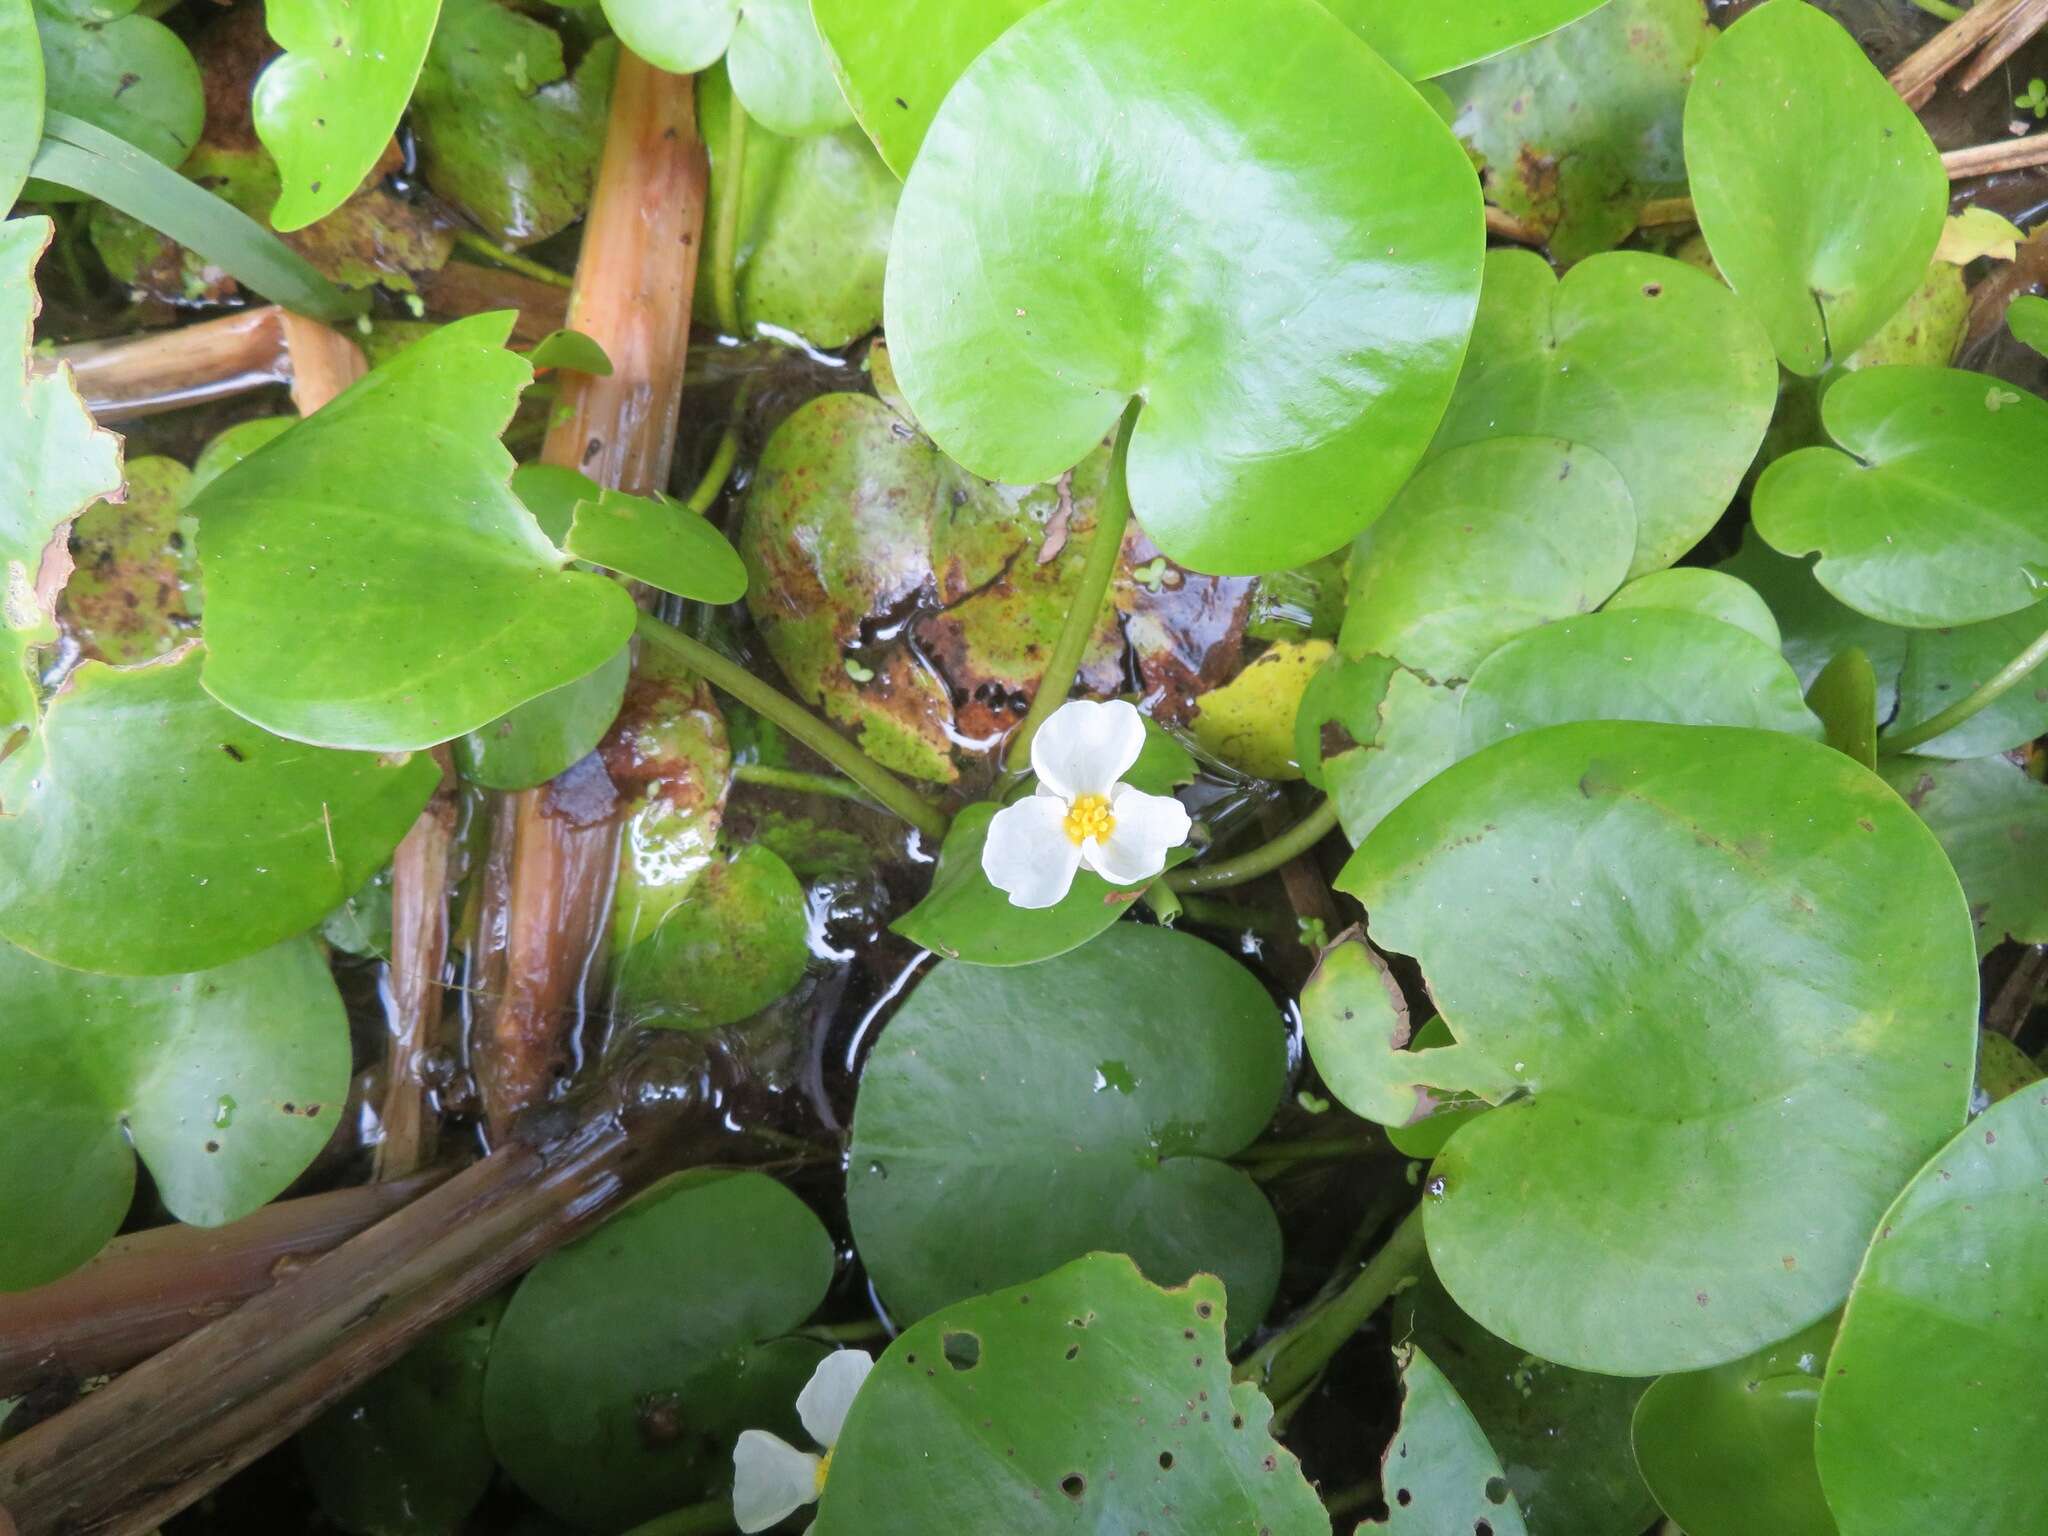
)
(1651, 664)
(1705, 591)
(1060, 249)
(1484, 543)
(1721, 953)
(1992, 820)
(1645, 360)
(813, 232)
(1578, 131)
(1439, 1473)
(127, 74)
(1945, 1342)
(1730, 1451)
(1010, 1120)
(1825, 242)
(531, 744)
(326, 109)
(225, 1083)
(340, 615)
(21, 95)
(1085, 1399)
(148, 830)
(628, 1363)
(779, 68)
(54, 462)
(1925, 514)
(660, 542)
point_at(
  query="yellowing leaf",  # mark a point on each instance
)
(1249, 721)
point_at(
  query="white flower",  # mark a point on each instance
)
(772, 1479)
(1081, 814)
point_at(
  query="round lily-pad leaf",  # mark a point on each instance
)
(628, 1363)
(1711, 593)
(1060, 249)
(226, 1083)
(814, 220)
(1814, 628)
(1925, 513)
(1648, 664)
(734, 946)
(1439, 1473)
(1485, 542)
(1562, 1435)
(125, 73)
(134, 587)
(1698, 921)
(148, 830)
(771, 49)
(1944, 1344)
(326, 109)
(1085, 1399)
(1944, 665)
(1824, 243)
(531, 744)
(339, 614)
(1729, 1451)
(2028, 317)
(1011, 1120)
(1992, 819)
(405, 1455)
(1643, 359)
(1382, 732)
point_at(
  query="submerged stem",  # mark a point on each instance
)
(511, 261)
(881, 785)
(1112, 513)
(798, 782)
(1289, 1361)
(729, 182)
(1979, 698)
(1263, 860)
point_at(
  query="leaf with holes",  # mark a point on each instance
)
(1644, 360)
(1085, 1399)
(984, 1152)
(1721, 953)
(326, 109)
(148, 830)
(339, 615)
(629, 1362)
(1824, 243)
(226, 1083)
(1944, 1343)
(1439, 1475)
(1992, 819)
(1063, 246)
(1924, 513)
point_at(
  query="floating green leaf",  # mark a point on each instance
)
(1845, 698)
(771, 49)
(1354, 1022)
(506, 132)
(1944, 1344)
(1925, 513)
(1286, 397)
(21, 95)
(531, 744)
(1992, 820)
(337, 615)
(1578, 131)
(2028, 317)
(814, 219)
(225, 1083)
(135, 591)
(629, 1362)
(1381, 731)
(1439, 1473)
(1644, 360)
(126, 74)
(1723, 953)
(1816, 628)
(406, 1454)
(1823, 243)
(327, 107)
(1086, 1399)
(1485, 542)
(1650, 664)
(1010, 1120)
(1699, 589)
(148, 830)
(54, 462)
(660, 542)
(227, 448)
(737, 944)
(572, 350)
(1729, 1452)
(1944, 665)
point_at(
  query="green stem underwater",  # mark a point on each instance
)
(1263, 860)
(796, 781)
(512, 261)
(881, 785)
(1112, 514)
(1979, 698)
(729, 182)
(1289, 1361)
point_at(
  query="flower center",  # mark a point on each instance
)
(824, 1466)
(1089, 816)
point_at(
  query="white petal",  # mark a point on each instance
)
(829, 1393)
(1084, 747)
(1028, 855)
(1146, 827)
(771, 1480)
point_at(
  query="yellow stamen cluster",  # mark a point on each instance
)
(1089, 816)
(824, 1466)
